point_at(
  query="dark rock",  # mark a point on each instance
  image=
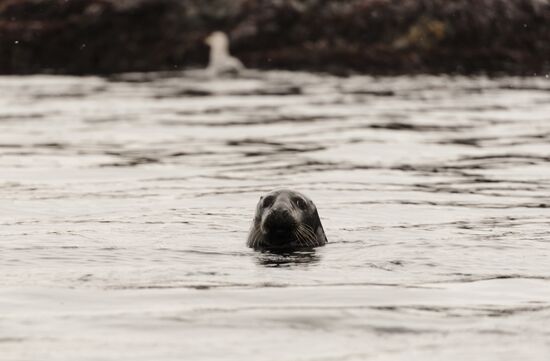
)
(375, 36)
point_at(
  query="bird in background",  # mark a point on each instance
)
(221, 62)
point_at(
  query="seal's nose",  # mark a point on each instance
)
(279, 220)
(282, 212)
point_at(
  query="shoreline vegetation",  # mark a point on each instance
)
(382, 37)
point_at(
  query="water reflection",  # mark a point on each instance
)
(302, 258)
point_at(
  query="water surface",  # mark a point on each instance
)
(125, 206)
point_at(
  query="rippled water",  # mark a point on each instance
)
(125, 206)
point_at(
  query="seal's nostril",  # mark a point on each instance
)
(279, 220)
(284, 212)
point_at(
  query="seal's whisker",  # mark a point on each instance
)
(308, 228)
(307, 236)
(304, 237)
(298, 238)
(251, 237)
(259, 239)
(313, 236)
(310, 233)
(255, 238)
(310, 237)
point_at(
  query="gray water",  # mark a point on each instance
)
(125, 206)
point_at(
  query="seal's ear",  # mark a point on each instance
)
(319, 231)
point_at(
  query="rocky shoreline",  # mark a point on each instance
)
(366, 36)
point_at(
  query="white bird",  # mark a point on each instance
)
(220, 60)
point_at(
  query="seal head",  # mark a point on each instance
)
(286, 220)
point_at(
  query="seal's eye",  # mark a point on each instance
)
(300, 203)
(268, 201)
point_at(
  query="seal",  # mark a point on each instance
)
(286, 220)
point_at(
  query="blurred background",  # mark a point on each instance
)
(374, 36)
